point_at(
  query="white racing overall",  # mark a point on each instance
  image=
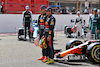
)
(79, 25)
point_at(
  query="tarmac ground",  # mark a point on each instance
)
(15, 53)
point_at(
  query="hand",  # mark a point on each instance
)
(38, 35)
(43, 36)
(23, 25)
(48, 38)
(82, 26)
(89, 30)
(98, 31)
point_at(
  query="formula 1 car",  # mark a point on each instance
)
(21, 31)
(68, 30)
(78, 51)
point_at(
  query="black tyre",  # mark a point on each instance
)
(93, 52)
(73, 43)
(65, 29)
(19, 38)
(21, 31)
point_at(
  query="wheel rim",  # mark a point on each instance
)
(97, 53)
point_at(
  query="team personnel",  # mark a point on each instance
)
(41, 23)
(95, 23)
(27, 20)
(49, 27)
(78, 23)
(90, 16)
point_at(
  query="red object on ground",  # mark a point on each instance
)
(41, 58)
(45, 59)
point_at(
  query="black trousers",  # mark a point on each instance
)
(43, 50)
(27, 25)
(50, 48)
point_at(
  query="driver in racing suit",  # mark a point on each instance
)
(78, 23)
(41, 23)
(27, 21)
(49, 28)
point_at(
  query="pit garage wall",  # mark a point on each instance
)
(11, 22)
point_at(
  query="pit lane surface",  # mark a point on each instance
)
(14, 53)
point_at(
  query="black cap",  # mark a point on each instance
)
(43, 7)
(49, 9)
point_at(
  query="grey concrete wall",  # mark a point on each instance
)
(11, 22)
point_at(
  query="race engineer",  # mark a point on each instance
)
(78, 23)
(49, 28)
(41, 23)
(27, 21)
(95, 24)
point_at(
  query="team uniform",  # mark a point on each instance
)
(90, 17)
(41, 23)
(95, 25)
(78, 23)
(49, 31)
(27, 21)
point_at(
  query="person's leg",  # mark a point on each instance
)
(25, 30)
(51, 48)
(29, 30)
(43, 50)
(80, 29)
(77, 30)
(46, 51)
(51, 51)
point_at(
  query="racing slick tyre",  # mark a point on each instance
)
(20, 32)
(93, 52)
(65, 29)
(68, 30)
(73, 43)
(19, 37)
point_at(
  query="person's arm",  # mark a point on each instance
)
(31, 17)
(23, 18)
(75, 21)
(98, 23)
(82, 21)
(89, 20)
(52, 25)
(39, 23)
(90, 24)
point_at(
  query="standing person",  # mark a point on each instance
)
(73, 10)
(95, 23)
(78, 23)
(2, 7)
(49, 31)
(41, 23)
(57, 10)
(67, 10)
(90, 16)
(27, 21)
